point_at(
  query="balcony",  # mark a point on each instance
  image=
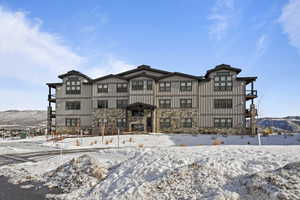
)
(52, 98)
(247, 113)
(251, 94)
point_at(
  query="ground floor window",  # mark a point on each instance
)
(72, 122)
(137, 127)
(223, 122)
(102, 122)
(121, 123)
(187, 123)
(165, 123)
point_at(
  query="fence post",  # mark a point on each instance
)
(118, 138)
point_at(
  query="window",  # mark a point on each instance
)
(223, 122)
(102, 88)
(122, 87)
(165, 123)
(137, 85)
(165, 103)
(185, 103)
(73, 105)
(223, 103)
(73, 86)
(72, 122)
(186, 123)
(137, 127)
(223, 81)
(121, 123)
(102, 104)
(149, 84)
(165, 86)
(137, 113)
(122, 103)
(102, 122)
(185, 86)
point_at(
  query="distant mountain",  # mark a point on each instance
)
(23, 118)
(285, 124)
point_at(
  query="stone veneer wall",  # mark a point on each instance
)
(175, 115)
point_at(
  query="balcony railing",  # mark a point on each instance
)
(52, 97)
(251, 94)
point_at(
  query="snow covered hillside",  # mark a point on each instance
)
(199, 172)
(23, 118)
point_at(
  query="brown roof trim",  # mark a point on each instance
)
(143, 74)
(180, 74)
(108, 76)
(222, 67)
(247, 79)
(53, 85)
(74, 72)
(143, 67)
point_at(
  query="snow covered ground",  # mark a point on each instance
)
(201, 172)
(163, 140)
(172, 166)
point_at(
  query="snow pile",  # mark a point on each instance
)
(80, 171)
(282, 183)
(194, 181)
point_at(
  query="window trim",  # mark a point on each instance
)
(184, 104)
(228, 123)
(121, 88)
(102, 89)
(123, 105)
(223, 104)
(106, 104)
(185, 87)
(163, 86)
(187, 123)
(72, 122)
(149, 84)
(72, 105)
(162, 103)
(218, 83)
(135, 85)
(164, 123)
(70, 85)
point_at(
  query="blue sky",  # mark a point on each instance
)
(41, 39)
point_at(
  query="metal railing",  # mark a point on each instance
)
(251, 93)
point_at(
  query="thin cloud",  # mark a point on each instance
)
(290, 22)
(261, 45)
(220, 17)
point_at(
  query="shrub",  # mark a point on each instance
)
(141, 145)
(77, 143)
(123, 141)
(182, 145)
(106, 142)
(130, 140)
(217, 142)
(111, 140)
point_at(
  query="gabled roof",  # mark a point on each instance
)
(73, 72)
(142, 74)
(222, 67)
(108, 76)
(143, 67)
(180, 74)
(247, 79)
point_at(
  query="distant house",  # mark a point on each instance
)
(152, 100)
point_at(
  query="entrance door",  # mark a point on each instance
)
(149, 124)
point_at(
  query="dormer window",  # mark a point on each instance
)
(223, 81)
(73, 86)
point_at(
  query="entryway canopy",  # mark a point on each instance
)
(140, 106)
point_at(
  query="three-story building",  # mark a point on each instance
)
(151, 100)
